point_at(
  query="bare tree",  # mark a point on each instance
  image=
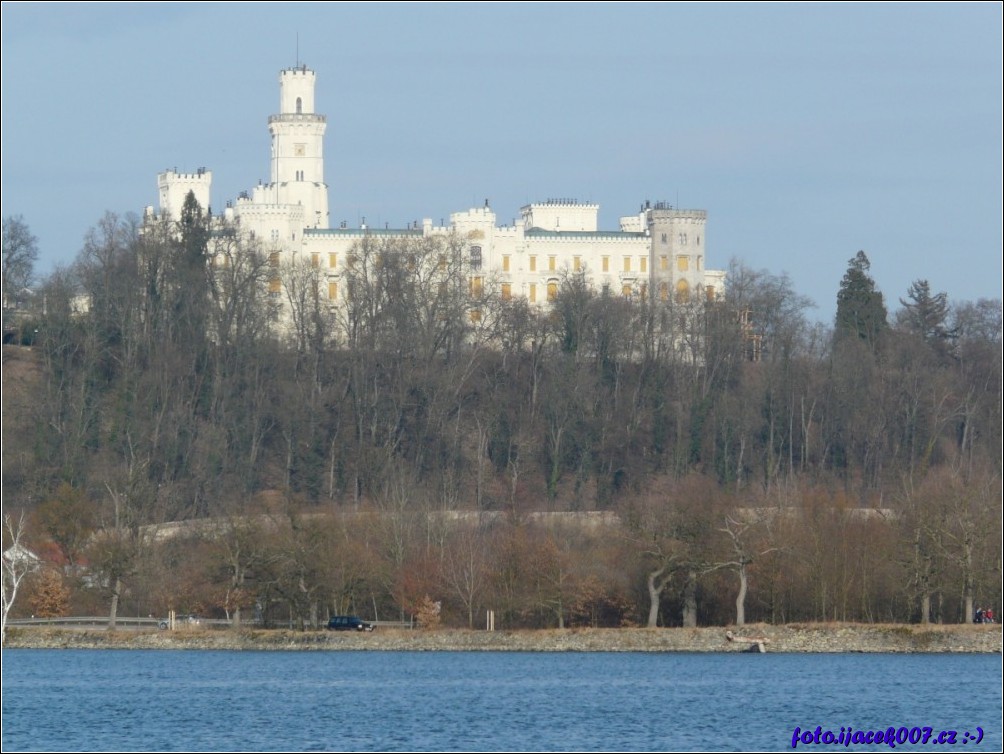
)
(20, 251)
(465, 567)
(740, 532)
(17, 563)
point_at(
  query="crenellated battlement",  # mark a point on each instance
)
(201, 175)
(564, 203)
(665, 211)
(297, 118)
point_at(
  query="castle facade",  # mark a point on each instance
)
(658, 252)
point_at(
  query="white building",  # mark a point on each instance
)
(661, 250)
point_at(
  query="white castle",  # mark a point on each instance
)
(661, 249)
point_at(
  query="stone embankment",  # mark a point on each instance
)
(805, 637)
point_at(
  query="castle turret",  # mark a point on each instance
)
(297, 165)
(173, 187)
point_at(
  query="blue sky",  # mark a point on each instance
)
(806, 131)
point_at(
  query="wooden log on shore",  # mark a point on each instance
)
(757, 644)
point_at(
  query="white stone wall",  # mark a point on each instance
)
(560, 214)
(279, 227)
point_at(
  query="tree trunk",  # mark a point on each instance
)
(690, 601)
(967, 579)
(925, 607)
(114, 610)
(741, 597)
(654, 595)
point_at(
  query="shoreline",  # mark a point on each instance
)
(786, 639)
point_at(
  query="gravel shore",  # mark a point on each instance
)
(804, 637)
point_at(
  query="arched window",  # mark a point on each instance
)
(299, 106)
(682, 292)
(475, 257)
(552, 291)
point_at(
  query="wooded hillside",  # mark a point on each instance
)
(758, 467)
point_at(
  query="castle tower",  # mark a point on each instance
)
(173, 187)
(297, 165)
(677, 254)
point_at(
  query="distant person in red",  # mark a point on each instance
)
(988, 616)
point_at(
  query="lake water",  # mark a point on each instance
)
(87, 700)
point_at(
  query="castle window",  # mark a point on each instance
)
(576, 263)
(627, 264)
(682, 292)
(505, 263)
(332, 291)
(332, 260)
(682, 263)
(664, 291)
(475, 257)
(626, 291)
(477, 284)
(664, 263)
(644, 264)
(533, 263)
(552, 291)
(299, 106)
(533, 293)
(606, 264)
(552, 263)
(506, 291)
(664, 238)
(315, 260)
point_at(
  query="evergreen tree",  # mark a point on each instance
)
(861, 311)
(925, 314)
(191, 274)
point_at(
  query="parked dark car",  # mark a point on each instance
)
(182, 620)
(348, 623)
